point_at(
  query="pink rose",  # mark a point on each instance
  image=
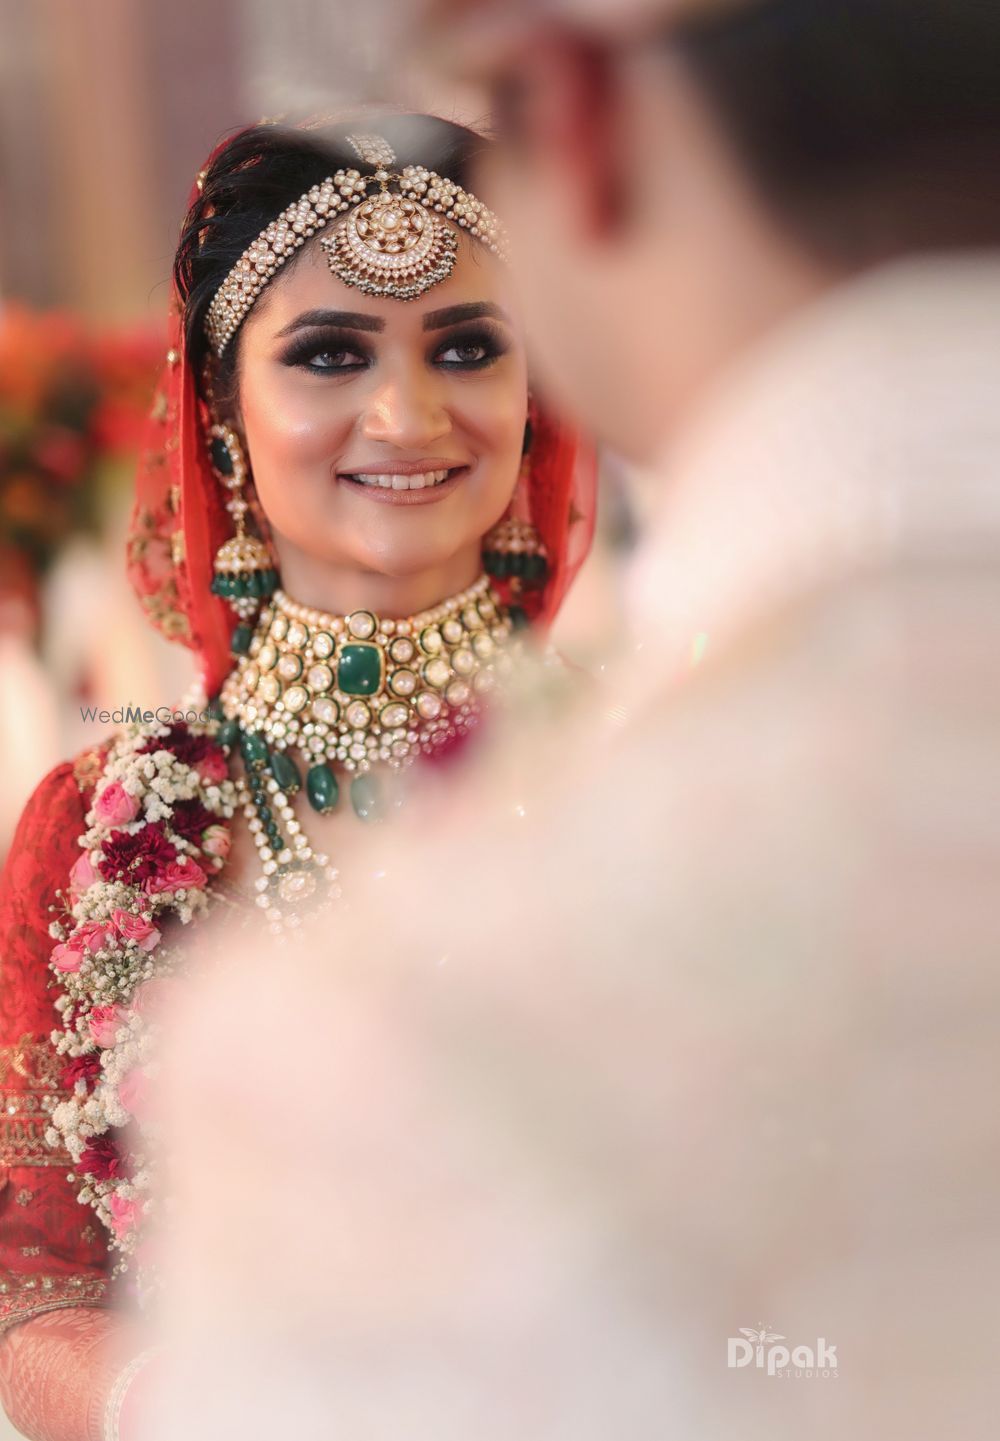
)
(83, 874)
(92, 935)
(124, 1215)
(184, 874)
(133, 1092)
(114, 806)
(66, 957)
(212, 768)
(136, 928)
(104, 1024)
(215, 841)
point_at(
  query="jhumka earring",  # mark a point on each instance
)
(244, 572)
(513, 550)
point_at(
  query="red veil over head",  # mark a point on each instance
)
(179, 520)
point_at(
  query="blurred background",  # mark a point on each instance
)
(107, 111)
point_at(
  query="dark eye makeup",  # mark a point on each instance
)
(465, 348)
(471, 347)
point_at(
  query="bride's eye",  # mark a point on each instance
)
(332, 360)
(320, 358)
(470, 352)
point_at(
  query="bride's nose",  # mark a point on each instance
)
(406, 411)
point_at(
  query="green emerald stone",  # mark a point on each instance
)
(221, 458)
(228, 733)
(285, 772)
(536, 570)
(254, 749)
(359, 669)
(240, 643)
(322, 788)
(366, 797)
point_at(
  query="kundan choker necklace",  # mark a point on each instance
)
(319, 696)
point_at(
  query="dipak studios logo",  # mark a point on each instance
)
(763, 1350)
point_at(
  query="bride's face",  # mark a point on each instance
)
(383, 435)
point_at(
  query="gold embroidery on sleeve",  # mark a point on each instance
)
(25, 1109)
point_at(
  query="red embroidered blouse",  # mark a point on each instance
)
(53, 1251)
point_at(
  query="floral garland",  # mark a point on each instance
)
(156, 833)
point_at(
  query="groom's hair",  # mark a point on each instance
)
(872, 127)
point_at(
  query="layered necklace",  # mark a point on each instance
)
(319, 699)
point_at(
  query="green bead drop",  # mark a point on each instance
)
(366, 797)
(240, 643)
(228, 733)
(285, 772)
(536, 570)
(254, 749)
(322, 788)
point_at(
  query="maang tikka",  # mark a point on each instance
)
(390, 244)
(398, 241)
(244, 571)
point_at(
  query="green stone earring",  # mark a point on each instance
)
(244, 572)
(513, 551)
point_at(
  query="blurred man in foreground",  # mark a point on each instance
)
(720, 1077)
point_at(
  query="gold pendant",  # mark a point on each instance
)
(391, 245)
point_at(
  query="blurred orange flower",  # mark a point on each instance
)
(70, 401)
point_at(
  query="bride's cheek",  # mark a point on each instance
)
(298, 435)
(494, 418)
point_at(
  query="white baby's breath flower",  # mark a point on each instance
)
(160, 781)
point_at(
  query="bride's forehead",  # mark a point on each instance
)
(310, 284)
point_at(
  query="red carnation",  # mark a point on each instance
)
(190, 819)
(81, 1068)
(102, 1159)
(134, 858)
(185, 745)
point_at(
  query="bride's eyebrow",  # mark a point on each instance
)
(337, 319)
(471, 310)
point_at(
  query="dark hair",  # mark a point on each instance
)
(263, 170)
(871, 126)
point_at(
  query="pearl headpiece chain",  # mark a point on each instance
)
(396, 242)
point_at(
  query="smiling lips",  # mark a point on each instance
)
(406, 481)
(390, 481)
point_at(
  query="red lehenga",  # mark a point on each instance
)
(53, 1250)
(53, 1253)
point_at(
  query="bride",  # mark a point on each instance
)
(350, 506)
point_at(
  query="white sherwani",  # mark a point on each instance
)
(696, 1029)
